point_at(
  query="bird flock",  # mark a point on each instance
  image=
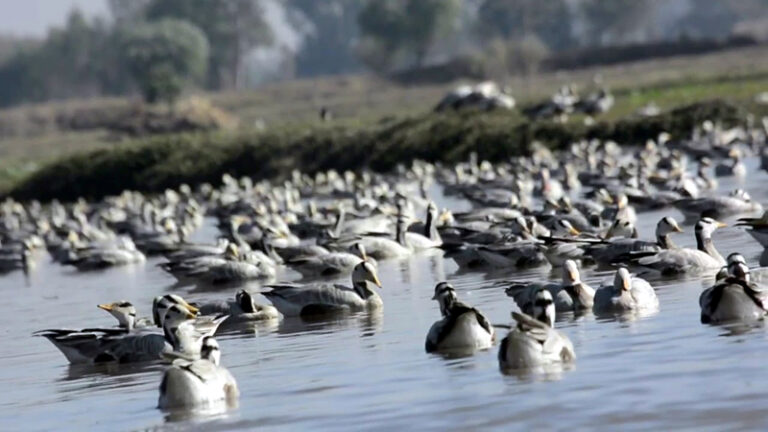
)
(569, 210)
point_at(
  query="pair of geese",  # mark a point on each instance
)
(534, 340)
(195, 376)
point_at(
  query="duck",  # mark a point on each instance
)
(571, 295)
(705, 258)
(533, 341)
(198, 382)
(298, 300)
(736, 297)
(462, 326)
(627, 293)
(242, 309)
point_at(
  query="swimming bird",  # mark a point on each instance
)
(571, 295)
(199, 382)
(735, 203)
(627, 293)
(534, 341)
(758, 228)
(103, 344)
(125, 314)
(704, 258)
(734, 298)
(295, 300)
(462, 327)
(243, 308)
(619, 250)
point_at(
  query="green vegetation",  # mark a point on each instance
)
(164, 56)
(166, 161)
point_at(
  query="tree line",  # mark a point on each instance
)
(160, 47)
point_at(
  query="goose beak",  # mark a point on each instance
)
(190, 315)
(627, 284)
(677, 229)
(106, 307)
(376, 280)
(720, 224)
(574, 231)
(192, 309)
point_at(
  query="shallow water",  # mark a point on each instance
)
(661, 371)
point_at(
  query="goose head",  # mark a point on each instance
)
(210, 350)
(621, 228)
(544, 307)
(445, 295)
(358, 249)
(175, 315)
(244, 299)
(123, 311)
(737, 267)
(706, 226)
(667, 225)
(363, 273)
(564, 228)
(622, 281)
(232, 252)
(571, 274)
(161, 304)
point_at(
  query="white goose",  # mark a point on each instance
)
(194, 383)
(534, 341)
(734, 298)
(295, 300)
(462, 327)
(628, 293)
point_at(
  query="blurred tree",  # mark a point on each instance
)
(164, 56)
(607, 20)
(328, 47)
(233, 28)
(550, 21)
(127, 11)
(408, 27)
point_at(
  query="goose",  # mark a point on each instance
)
(123, 253)
(758, 228)
(234, 267)
(297, 300)
(382, 248)
(736, 297)
(627, 293)
(185, 251)
(125, 314)
(102, 345)
(735, 203)
(683, 260)
(736, 167)
(572, 295)
(617, 250)
(431, 237)
(534, 341)
(200, 382)
(242, 308)
(331, 263)
(462, 327)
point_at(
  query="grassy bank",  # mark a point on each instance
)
(166, 161)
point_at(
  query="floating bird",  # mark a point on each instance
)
(462, 327)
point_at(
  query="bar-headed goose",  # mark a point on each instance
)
(534, 341)
(734, 298)
(462, 327)
(627, 293)
(571, 295)
(618, 250)
(201, 382)
(242, 308)
(705, 258)
(125, 314)
(295, 300)
(758, 228)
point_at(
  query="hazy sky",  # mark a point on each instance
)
(33, 17)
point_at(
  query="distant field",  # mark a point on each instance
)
(30, 135)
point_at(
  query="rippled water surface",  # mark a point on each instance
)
(662, 371)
